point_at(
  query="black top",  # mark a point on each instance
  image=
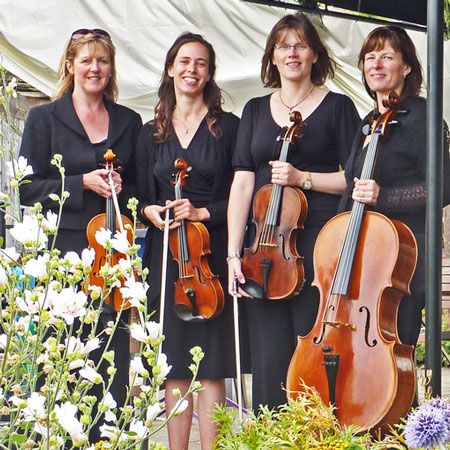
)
(400, 168)
(55, 128)
(324, 147)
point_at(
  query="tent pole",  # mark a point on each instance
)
(433, 244)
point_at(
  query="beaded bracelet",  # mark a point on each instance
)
(230, 257)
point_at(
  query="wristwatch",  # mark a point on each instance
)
(307, 184)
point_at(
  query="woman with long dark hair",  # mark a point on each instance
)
(189, 123)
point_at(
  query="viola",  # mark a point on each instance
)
(363, 265)
(111, 220)
(272, 267)
(198, 293)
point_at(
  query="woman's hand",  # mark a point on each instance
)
(156, 215)
(235, 272)
(184, 210)
(366, 191)
(97, 181)
(285, 174)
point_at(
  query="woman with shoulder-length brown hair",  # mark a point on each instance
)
(189, 123)
(296, 64)
(389, 62)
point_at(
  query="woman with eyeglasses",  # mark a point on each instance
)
(397, 189)
(190, 124)
(81, 123)
(296, 64)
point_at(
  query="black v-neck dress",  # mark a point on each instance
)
(207, 186)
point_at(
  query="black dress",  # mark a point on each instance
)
(400, 171)
(275, 325)
(207, 186)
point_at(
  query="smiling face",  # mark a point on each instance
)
(385, 70)
(293, 57)
(190, 69)
(91, 69)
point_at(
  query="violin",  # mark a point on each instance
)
(272, 267)
(198, 293)
(111, 221)
(363, 265)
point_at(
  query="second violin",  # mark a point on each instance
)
(198, 293)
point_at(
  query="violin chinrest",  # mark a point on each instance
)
(185, 313)
(253, 288)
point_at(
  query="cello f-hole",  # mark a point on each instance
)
(367, 328)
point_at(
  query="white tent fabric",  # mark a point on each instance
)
(33, 34)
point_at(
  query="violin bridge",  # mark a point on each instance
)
(351, 326)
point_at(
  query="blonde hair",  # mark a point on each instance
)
(65, 78)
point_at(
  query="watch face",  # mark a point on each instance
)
(307, 184)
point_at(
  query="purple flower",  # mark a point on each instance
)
(429, 425)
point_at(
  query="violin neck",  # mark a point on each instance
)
(277, 191)
(110, 216)
(345, 263)
(182, 236)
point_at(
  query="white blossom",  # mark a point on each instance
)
(69, 304)
(3, 277)
(136, 366)
(72, 258)
(179, 407)
(153, 411)
(87, 257)
(91, 374)
(146, 334)
(32, 302)
(37, 268)
(134, 291)
(138, 427)
(75, 345)
(108, 431)
(29, 233)
(18, 169)
(49, 223)
(103, 236)
(120, 242)
(66, 415)
(164, 367)
(9, 254)
(3, 340)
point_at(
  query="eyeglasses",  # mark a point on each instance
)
(300, 46)
(78, 34)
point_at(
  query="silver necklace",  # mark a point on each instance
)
(290, 108)
(183, 123)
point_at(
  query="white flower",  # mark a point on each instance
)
(22, 325)
(76, 364)
(3, 340)
(148, 334)
(11, 87)
(75, 345)
(103, 236)
(29, 233)
(153, 411)
(135, 291)
(164, 367)
(179, 407)
(49, 223)
(120, 242)
(87, 257)
(19, 169)
(9, 254)
(3, 277)
(108, 431)
(138, 427)
(66, 415)
(37, 268)
(69, 304)
(108, 401)
(91, 374)
(33, 302)
(35, 406)
(124, 265)
(136, 366)
(72, 258)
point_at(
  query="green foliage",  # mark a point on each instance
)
(305, 423)
(420, 353)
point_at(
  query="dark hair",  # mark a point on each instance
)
(166, 93)
(66, 79)
(402, 43)
(322, 69)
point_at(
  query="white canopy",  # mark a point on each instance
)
(33, 34)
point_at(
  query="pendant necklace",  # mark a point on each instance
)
(290, 108)
(183, 123)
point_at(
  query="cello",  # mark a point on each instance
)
(272, 267)
(111, 220)
(198, 293)
(363, 265)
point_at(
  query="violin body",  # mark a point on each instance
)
(198, 291)
(271, 265)
(355, 360)
(276, 248)
(101, 221)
